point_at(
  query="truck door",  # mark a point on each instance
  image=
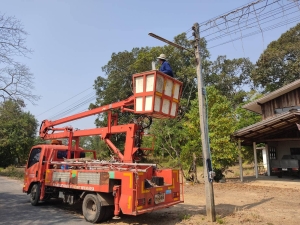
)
(33, 170)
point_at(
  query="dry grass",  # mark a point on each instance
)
(13, 172)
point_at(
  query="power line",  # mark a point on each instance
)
(64, 101)
(241, 8)
(246, 22)
(256, 17)
(247, 27)
(295, 19)
(86, 99)
(71, 110)
(189, 30)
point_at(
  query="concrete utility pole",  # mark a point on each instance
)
(208, 173)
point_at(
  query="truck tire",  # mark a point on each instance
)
(35, 194)
(92, 210)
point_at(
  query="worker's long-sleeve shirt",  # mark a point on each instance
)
(166, 68)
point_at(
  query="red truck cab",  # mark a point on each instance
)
(40, 155)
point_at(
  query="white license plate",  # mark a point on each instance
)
(284, 169)
(159, 198)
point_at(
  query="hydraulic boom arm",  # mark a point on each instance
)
(47, 125)
(154, 94)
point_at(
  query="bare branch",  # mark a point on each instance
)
(12, 40)
(16, 82)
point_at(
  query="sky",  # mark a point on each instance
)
(72, 39)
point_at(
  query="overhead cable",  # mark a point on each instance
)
(280, 24)
(65, 101)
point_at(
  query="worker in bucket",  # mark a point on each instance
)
(165, 66)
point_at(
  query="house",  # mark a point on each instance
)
(278, 129)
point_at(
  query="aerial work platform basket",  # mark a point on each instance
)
(156, 94)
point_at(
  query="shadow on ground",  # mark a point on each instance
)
(16, 209)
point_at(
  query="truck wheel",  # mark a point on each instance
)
(92, 210)
(35, 194)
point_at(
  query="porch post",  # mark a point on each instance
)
(268, 160)
(255, 159)
(240, 161)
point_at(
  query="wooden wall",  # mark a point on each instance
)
(284, 102)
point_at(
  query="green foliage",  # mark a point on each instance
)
(230, 77)
(117, 85)
(279, 64)
(177, 139)
(17, 133)
(38, 140)
(169, 139)
(185, 216)
(221, 123)
(220, 220)
(246, 118)
(95, 143)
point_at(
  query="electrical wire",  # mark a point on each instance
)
(71, 110)
(189, 30)
(76, 102)
(283, 23)
(64, 101)
(273, 13)
(86, 99)
(224, 15)
(246, 28)
(231, 11)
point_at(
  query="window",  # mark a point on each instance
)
(34, 156)
(272, 153)
(63, 154)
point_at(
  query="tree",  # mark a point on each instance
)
(17, 133)
(279, 64)
(246, 118)
(117, 85)
(230, 77)
(177, 139)
(221, 123)
(95, 143)
(16, 80)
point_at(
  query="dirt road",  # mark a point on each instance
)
(265, 200)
